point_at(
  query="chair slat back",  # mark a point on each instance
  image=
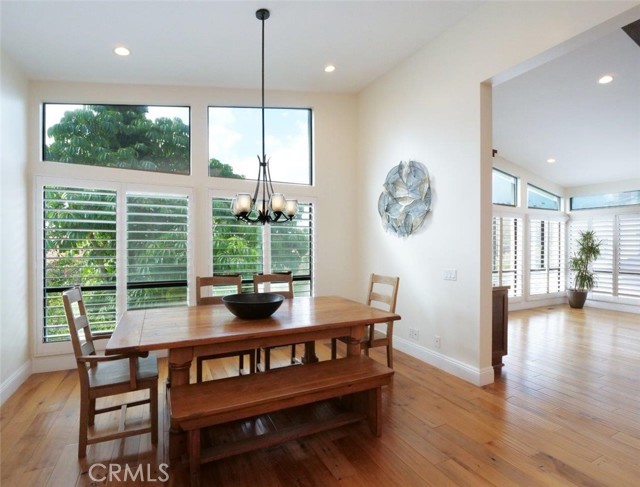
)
(78, 324)
(283, 281)
(384, 290)
(214, 281)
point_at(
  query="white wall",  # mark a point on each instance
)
(429, 109)
(14, 262)
(334, 166)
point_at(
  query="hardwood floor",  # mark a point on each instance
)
(564, 411)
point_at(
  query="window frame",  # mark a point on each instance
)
(42, 348)
(516, 188)
(559, 209)
(43, 135)
(615, 207)
(310, 112)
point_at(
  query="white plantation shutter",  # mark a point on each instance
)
(71, 219)
(507, 262)
(237, 246)
(629, 255)
(603, 266)
(157, 231)
(240, 248)
(546, 257)
(292, 248)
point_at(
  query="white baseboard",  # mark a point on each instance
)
(478, 377)
(625, 308)
(14, 381)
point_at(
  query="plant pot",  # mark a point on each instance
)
(577, 298)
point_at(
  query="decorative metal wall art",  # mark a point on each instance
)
(406, 199)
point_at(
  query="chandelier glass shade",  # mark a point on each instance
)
(265, 205)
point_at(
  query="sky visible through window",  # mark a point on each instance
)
(235, 138)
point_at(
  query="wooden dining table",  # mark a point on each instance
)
(191, 331)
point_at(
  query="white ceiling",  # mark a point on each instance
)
(217, 43)
(557, 110)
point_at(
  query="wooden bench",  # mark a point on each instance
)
(354, 383)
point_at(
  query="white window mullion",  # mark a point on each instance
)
(266, 249)
(121, 254)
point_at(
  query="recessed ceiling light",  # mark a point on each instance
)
(329, 68)
(551, 161)
(122, 51)
(605, 79)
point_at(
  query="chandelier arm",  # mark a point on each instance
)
(255, 193)
(269, 175)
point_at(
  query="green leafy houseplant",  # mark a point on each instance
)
(580, 264)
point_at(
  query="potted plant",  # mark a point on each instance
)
(580, 264)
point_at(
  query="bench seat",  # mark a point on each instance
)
(357, 381)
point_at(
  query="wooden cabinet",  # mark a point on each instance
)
(499, 327)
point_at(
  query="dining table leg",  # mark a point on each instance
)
(353, 346)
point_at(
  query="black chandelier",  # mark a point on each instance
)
(273, 207)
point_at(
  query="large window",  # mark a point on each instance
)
(504, 188)
(617, 270)
(626, 198)
(546, 257)
(508, 252)
(235, 139)
(147, 138)
(541, 199)
(240, 248)
(81, 231)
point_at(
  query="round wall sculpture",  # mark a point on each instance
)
(406, 199)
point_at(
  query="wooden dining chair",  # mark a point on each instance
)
(107, 375)
(234, 284)
(383, 291)
(279, 283)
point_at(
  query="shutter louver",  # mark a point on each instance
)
(507, 254)
(629, 255)
(237, 246)
(603, 266)
(79, 233)
(546, 247)
(157, 231)
(291, 248)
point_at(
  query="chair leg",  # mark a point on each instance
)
(252, 362)
(153, 411)
(84, 424)
(267, 359)
(293, 354)
(199, 363)
(92, 412)
(334, 346)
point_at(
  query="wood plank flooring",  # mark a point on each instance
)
(564, 411)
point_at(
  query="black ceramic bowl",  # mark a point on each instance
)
(253, 306)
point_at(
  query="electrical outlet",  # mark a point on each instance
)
(451, 274)
(413, 334)
(436, 341)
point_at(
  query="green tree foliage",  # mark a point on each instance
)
(120, 136)
(220, 170)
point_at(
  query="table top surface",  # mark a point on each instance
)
(186, 326)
